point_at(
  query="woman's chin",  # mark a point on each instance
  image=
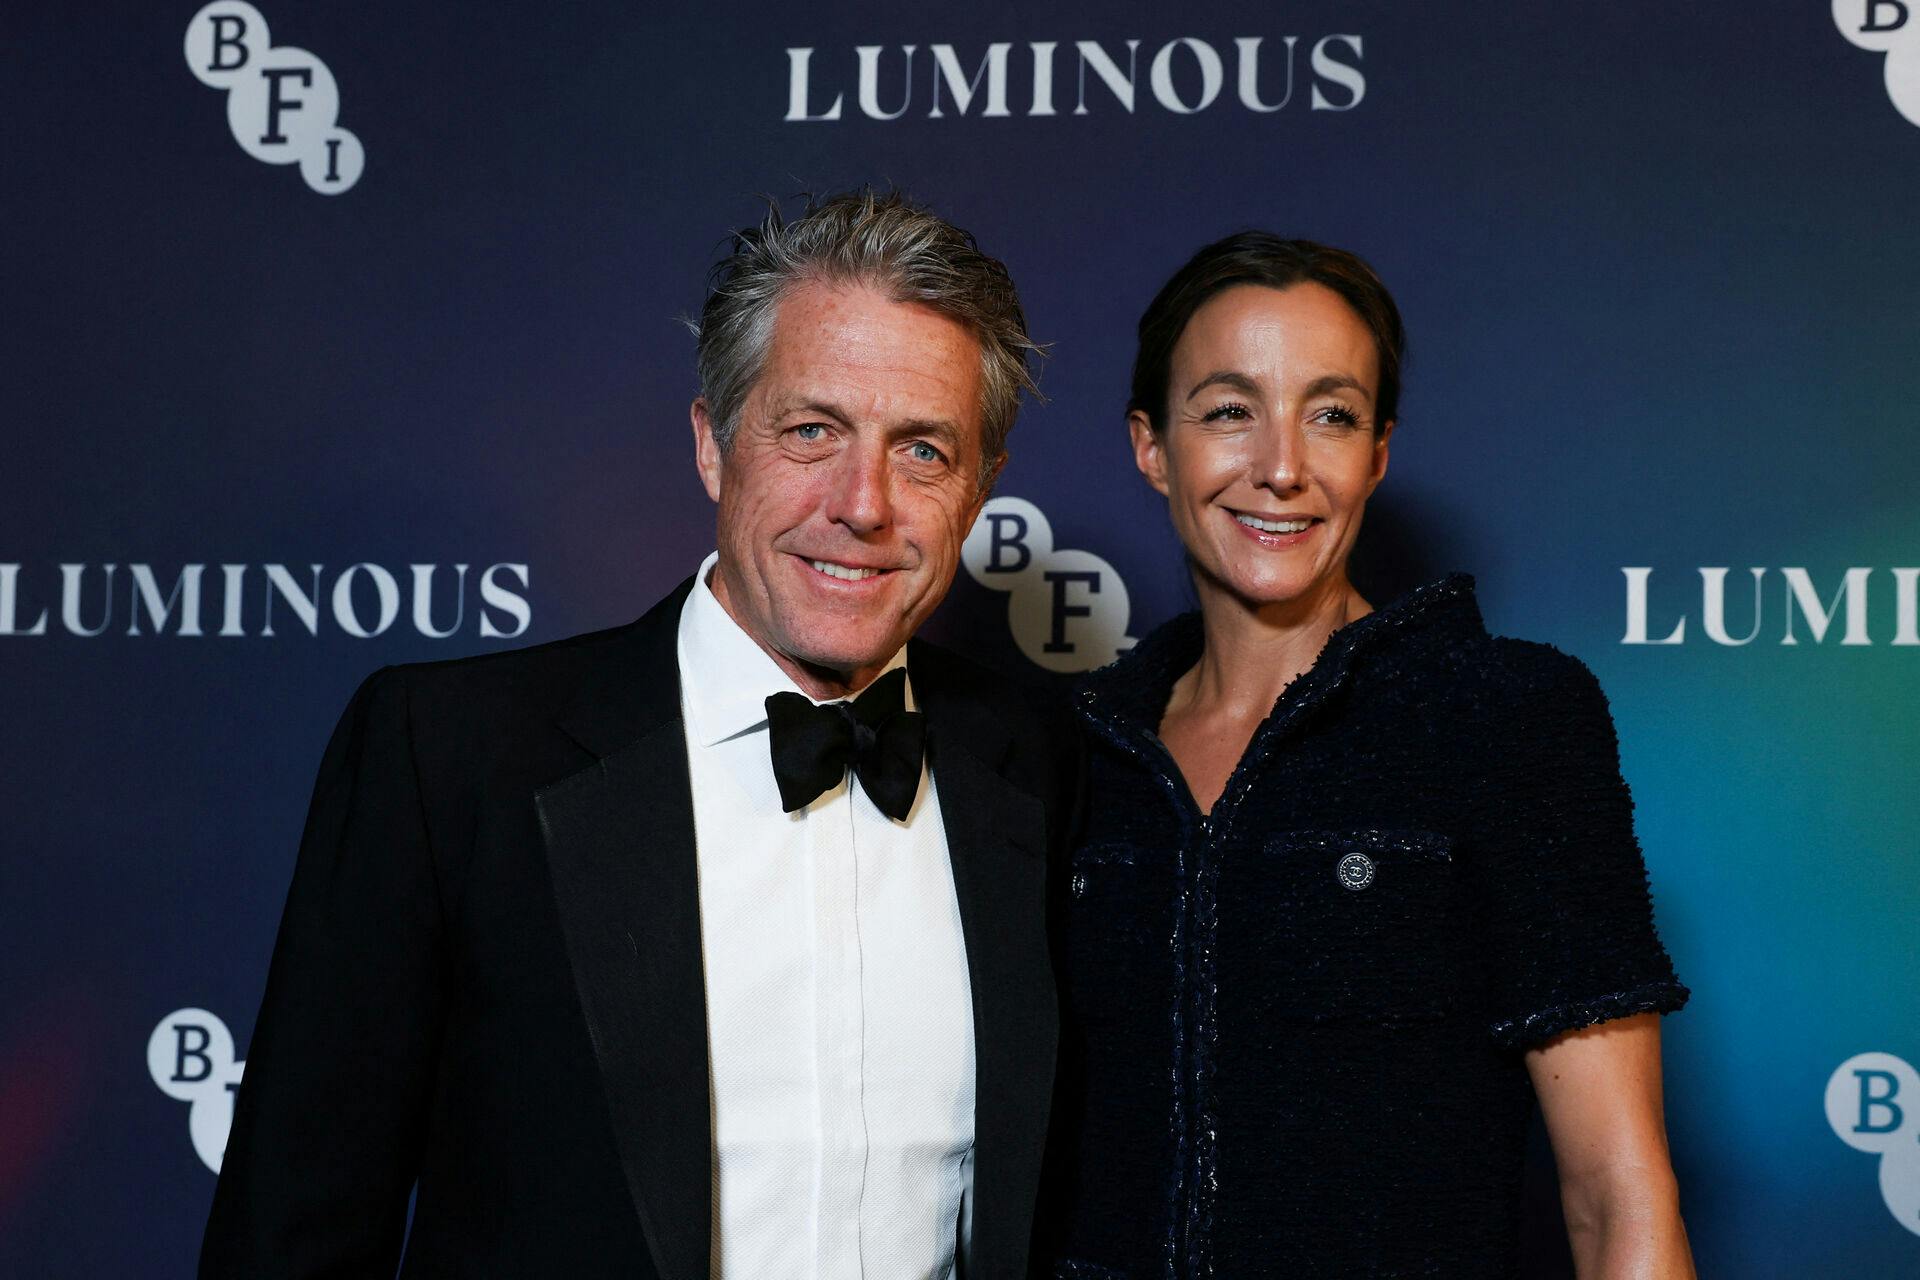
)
(1267, 590)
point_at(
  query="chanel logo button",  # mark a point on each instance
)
(1355, 871)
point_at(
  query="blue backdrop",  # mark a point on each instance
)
(331, 327)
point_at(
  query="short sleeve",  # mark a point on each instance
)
(1553, 864)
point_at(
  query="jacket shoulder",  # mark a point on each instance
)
(500, 688)
(476, 714)
(1527, 668)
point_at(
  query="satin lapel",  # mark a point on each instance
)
(620, 851)
(996, 840)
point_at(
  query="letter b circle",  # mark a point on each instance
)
(1879, 25)
(1873, 1102)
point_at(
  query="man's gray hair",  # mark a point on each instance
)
(886, 242)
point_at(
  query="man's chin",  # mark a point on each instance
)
(829, 649)
(846, 661)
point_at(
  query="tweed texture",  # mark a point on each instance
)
(1295, 1026)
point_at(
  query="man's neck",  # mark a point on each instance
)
(822, 684)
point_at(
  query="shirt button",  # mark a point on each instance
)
(1355, 871)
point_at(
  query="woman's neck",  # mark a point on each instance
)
(1253, 652)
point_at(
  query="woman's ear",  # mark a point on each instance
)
(1379, 458)
(1149, 450)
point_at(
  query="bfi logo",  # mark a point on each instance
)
(282, 103)
(1069, 608)
(190, 1057)
(1873, 1105)
(1889, 27)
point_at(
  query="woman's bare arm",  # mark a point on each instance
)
(1599, 1090)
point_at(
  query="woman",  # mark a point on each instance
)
(1353, 882)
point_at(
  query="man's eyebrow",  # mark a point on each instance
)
(1226, 378)
(819, 408)
(942, 429)
(939, 428)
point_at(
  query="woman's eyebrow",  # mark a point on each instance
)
(1226, 378)
(1336, 382)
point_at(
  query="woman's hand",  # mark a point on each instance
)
(1599, 1090)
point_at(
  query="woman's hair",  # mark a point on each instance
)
(1260, 257)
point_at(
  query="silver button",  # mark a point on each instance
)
(1355, 871)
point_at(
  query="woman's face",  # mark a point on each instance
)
(1270, 452)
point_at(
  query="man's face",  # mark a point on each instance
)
(853, 479)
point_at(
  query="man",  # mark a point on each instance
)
(646, 953)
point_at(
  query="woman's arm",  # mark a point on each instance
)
(1599, 1090)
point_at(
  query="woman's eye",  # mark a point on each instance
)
(924, 452)
(1228, 413)
(1339, 417)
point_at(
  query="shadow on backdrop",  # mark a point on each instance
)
(1405, 542)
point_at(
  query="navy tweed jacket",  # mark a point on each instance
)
(1294, 1027)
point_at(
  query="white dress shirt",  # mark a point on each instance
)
(839, 1012)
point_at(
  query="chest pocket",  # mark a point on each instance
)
(1361, 925)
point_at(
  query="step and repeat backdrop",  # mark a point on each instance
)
(345, 334)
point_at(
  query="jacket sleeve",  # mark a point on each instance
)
(1562, 888)
(331, 1112)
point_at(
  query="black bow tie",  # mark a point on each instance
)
(875, 734)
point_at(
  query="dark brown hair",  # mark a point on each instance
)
(1260, 257)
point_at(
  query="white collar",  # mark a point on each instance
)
(725, 676)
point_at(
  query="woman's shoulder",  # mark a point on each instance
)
(1527, 683)
(1437, 634)
(1533, 666)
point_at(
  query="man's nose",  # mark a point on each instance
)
(1280, 456)
(860, 498)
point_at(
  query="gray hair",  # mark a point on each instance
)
(884, 241)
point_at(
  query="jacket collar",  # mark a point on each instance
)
(1132, 692)
(637, 690)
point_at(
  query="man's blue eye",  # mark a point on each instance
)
(810, 431)
(925, 452)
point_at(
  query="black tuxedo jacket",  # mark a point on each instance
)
(488, 978)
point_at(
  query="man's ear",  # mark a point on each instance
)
(1149, 450)
(981, 495)
(706, 450)
(988, 479)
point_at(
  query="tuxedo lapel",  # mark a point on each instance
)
(996, 840)
(619, 840)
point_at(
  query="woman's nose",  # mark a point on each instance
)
(1279, 461)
